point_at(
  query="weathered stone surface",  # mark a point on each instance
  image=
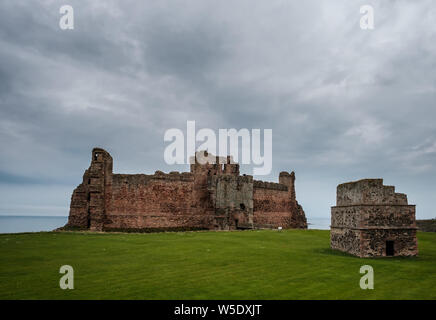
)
(370, 217)
(211, 196)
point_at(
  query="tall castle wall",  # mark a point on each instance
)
(211, 196)
(273, 203)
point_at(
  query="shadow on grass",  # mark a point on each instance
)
(331, 252)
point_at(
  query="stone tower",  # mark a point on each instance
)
(88, 199)
(371, 220)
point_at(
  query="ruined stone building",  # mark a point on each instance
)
(210, 196)
(371, 220)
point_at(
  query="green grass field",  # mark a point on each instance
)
(264, 264)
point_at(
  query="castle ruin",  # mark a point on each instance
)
(371, 220)
(210, 196)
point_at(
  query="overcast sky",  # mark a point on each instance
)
(343, 103)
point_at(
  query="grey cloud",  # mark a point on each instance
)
(343, 103)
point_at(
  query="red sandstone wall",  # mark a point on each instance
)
(107, 201)
(275, 208)
(79, 208)
(150, 201)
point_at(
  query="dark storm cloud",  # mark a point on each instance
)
(343, 103)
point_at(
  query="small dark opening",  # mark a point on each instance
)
(390, 248)
(242, 206)
(89, 181)
(236, 223)
(89, 196)
(88, 222)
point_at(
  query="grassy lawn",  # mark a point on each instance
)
(266, 264)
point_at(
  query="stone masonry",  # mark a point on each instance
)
(210, 196)
(371, 220)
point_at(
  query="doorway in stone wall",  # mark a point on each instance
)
(390, 248)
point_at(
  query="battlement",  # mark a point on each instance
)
(209, 164)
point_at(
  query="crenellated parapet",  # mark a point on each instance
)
(204, 163)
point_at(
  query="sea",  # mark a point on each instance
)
(17, 224)
(318, 223)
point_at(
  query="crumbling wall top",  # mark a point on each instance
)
(269, 185)
(142, 179)
(368, 191)
(99, 154)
